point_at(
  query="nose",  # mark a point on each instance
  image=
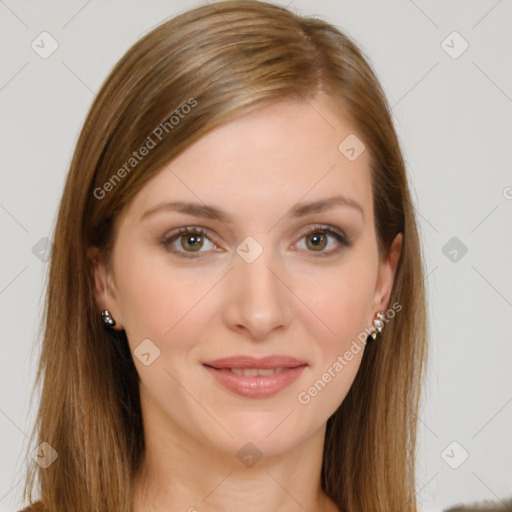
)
(259, 300)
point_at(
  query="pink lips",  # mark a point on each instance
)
(256, 386)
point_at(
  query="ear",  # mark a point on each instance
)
(386, 275)
(103, 286)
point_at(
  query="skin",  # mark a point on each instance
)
(289, 301)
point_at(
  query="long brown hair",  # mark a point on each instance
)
(222, 60)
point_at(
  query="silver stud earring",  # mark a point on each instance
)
(107, 319)
(378, 323)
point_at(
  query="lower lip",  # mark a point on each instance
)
(257, 386)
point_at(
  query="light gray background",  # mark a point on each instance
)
(454, 118)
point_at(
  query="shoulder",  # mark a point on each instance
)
(35, 507)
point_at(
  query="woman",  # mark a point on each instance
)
(236, 311)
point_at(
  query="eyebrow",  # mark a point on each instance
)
(210, 212)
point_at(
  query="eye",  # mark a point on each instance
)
(188, 239)
(317, 239)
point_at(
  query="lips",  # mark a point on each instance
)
(256, 378)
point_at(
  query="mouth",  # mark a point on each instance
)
(263, 363)
(256, 378)
(251, 372)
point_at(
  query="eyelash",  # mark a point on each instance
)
(194, 230)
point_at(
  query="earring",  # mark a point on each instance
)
(378, 323)
(107, 319)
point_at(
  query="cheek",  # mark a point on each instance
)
(158, 298)
(341, 298)
(338, 349)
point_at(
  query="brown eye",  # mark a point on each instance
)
(191, 241)
(186, 241)
(320, 237)
(316, 241)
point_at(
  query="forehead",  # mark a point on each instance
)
(268, 160)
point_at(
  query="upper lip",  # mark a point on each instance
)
(252, 362)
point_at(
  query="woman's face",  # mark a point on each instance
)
(269, 279)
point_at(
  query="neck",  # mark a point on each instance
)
(182, 474)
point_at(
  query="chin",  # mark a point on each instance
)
(271, 433)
